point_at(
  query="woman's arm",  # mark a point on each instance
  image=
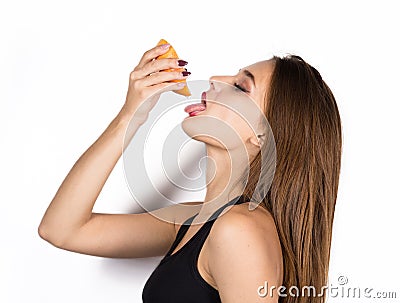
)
(69, 222)
(71, 207)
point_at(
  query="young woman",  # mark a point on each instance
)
(265, 255)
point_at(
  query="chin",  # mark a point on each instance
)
(211, 131)
(194, 128)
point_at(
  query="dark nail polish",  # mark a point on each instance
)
(182, 62)
(186, 73)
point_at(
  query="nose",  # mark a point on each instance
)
(216, 81)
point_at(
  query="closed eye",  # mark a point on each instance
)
(239, 87)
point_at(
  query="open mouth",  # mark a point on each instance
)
(194, 109)
(203, 98)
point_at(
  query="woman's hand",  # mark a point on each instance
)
(148, 80)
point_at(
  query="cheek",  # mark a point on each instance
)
(226, 107)
(243, 116)
(237, 123)
(227, 123)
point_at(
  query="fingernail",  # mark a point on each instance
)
(164, 46)
(186, 73)
(182, 63)
(181, 84)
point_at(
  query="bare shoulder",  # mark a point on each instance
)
(241, 242)
(242, 222)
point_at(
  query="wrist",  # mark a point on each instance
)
(126, 121)
(126, 117)
(125, 114)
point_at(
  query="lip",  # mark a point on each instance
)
(195, 113)
(204, 98)
(195, 109)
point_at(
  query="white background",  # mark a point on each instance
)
(63, 77)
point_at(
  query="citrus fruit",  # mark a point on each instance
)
(171, 53)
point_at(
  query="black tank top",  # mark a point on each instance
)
(176, 278)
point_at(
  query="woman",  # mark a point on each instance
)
(246, 255)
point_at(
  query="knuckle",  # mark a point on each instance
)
(168, 63)
(147, 53)
(133, 74)
(136, 85)
(153, 65)
(160, 64)
(172, 62)
(178, 74)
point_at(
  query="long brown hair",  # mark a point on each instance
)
(304, 118)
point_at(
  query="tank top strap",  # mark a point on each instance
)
(180, 234)
(207, 228)
(203, 232)
(236, 200)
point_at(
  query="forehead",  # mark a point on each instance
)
(262, 72)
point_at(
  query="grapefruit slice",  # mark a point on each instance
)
(171, 53)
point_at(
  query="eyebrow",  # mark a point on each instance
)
(250, 75)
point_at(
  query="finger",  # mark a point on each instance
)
(164, 87)
(152, 54)
(161, 77)
(159, 65)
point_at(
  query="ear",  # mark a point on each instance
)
(257, 141)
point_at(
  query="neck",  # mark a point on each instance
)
(223, 171)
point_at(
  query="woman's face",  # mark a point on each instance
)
(230, 101)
